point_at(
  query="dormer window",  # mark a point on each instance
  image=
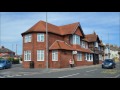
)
(76, 39)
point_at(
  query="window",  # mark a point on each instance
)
(89, 57)
(28, 38)
(27, 55)
(96, 44)
(40, 55)
(40, 37)
(86, 46)
(79, 56)
(76, 39)
(85, 56)
(54, 55)
(83, 44)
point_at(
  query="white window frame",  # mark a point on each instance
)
(88, 57)
(28, 38)
(40, 55)
(55, 55)
(79, 56)
(27, 55)
(40, 37)
(76, 39)
(96, 44)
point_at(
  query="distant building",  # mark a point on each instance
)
(5, 52)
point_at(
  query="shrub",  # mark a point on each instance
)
(15, 61)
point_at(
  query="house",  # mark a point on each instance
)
(5, 52)
(96, 45)
(114, 52)
(64, 43)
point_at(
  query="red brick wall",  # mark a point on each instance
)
(83, 62)
(54, 64)
(53, 37)
(65, 57)
(34, 46)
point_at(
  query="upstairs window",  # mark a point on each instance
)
(28, 38)
(40, 37)
(96, 44)
(76, 39)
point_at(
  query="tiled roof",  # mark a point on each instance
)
(61, 30)
(58, 44)
(84, 50)
(4, 50)
(92, 37)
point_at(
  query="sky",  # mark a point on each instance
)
(12, 24)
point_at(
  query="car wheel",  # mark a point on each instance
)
(3, 67)
(114, 66)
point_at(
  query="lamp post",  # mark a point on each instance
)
(46, 44)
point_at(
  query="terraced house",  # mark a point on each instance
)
(64, 43)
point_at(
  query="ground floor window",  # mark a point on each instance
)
(40, 55)
(88, 57)
(100, 57)
(79, 56)
(27, 55)
(55, 55)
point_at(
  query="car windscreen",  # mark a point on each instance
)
(108, 60)
(2, 61)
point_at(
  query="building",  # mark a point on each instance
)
(114, 52)
(64, 43)
(5, 52)
(96, 45)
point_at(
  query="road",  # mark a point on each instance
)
(94, 71)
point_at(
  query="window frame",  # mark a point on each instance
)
(39, 37)
(54, 55)
(40, 53)
(27, 55)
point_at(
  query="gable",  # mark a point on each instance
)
(79, 32)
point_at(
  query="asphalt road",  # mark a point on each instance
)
(94, 71)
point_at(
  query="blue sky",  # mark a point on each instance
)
(14, 23)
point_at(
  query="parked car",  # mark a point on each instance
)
(5, 64)
(108, 63)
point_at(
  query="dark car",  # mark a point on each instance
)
(5, 64)
(108, 63)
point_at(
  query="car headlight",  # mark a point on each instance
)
(110, 64)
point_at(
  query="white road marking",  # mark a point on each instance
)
(91, 70)
(117, 76)
(18, 75)
(69, 75)
(9, 76)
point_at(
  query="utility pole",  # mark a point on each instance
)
(16, 49)
(46, 43)
(108, 47)
(0, 30)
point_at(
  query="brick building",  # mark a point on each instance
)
(64, 43)
(96, 45)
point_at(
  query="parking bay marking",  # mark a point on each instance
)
(91, 70)
(69, 75)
